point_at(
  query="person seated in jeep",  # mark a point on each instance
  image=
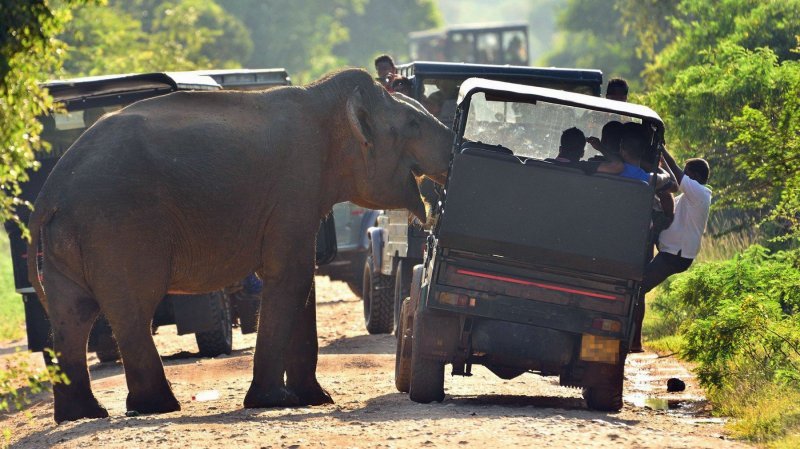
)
(609, 140)
(572, 149)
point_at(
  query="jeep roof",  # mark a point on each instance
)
(593, 79)
(502, 89)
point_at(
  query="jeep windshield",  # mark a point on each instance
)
(530, 120)
(532, 128)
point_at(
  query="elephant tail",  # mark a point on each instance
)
(36, 225)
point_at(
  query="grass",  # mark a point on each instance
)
(764, 412)
(12, 311)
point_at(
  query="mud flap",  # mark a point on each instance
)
(438, 335)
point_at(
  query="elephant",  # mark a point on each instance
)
(192, 191)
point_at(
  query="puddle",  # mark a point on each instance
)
(658, 403)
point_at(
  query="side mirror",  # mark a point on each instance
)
(326, 241)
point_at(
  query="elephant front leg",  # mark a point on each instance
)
(301, 360)
(284, 298)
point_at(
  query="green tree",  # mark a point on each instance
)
(595, 36)
(171, 35)
(29, 53)
(382, 26)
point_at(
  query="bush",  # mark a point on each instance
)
(739, 320)
(19, 380)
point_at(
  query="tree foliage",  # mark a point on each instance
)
(29, 51)
(125, 37)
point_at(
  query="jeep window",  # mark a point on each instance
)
(60, 130)
(532, 129)
(440, 98)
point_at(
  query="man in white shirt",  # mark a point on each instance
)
(679, 244)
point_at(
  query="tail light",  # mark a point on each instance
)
(457, 300)
(606, 325)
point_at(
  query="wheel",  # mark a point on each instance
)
(402, 285)
(607, 398)
(427, 375)
(378, 295)
(102, 341)
(402, 360)
(220, 339)
(356, 279)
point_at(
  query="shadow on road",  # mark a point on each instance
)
(361, 344)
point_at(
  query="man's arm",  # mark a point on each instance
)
(666, 179)
(672, 166)
(613, 163)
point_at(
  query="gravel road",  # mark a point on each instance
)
(358, 370)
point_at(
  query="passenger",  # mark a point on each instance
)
(572, 149)
(631, 148)
(610, 137)
(387, 71)
(617, 89)
(679, 244)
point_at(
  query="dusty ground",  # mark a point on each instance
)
(358, 370)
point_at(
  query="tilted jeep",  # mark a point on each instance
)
(532, 266)
(393, 245)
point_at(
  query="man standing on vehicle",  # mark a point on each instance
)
(679, 244)
(384, 65)
(617, 89)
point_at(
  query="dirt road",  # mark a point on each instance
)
(357, 369)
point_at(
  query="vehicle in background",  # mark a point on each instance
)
(395, 243)
(352, 222)
(478, 44)
(532, 266)
(85, 100)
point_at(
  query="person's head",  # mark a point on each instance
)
(573, 142)
(697, 169)
(611, 135)
(384, 65)
(633, 142)
(402, 85)
(617, 89)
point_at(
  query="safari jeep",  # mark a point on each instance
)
(531, 266)
(393, 245)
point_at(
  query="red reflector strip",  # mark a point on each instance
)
(537, 284)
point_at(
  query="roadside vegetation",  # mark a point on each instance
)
(724, 76)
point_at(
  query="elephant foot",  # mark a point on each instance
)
(75, 410)
(311, 394)
(275, 397)
(149, 405)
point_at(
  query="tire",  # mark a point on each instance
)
(356, 279)
(104, 345)
(427, 375)
(219, 340)
(107, 350)
(402, 360)
(607, 398)
(378, 296)
(402, 286)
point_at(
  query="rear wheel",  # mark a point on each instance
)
(402, 360)
(402, 285)
(378, 296)
(607, 398)
(427, 375)
(356, 278)
(219, 340)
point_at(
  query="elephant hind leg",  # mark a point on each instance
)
(72, 312)
(148, 389)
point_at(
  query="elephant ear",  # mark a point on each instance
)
(357, 116)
